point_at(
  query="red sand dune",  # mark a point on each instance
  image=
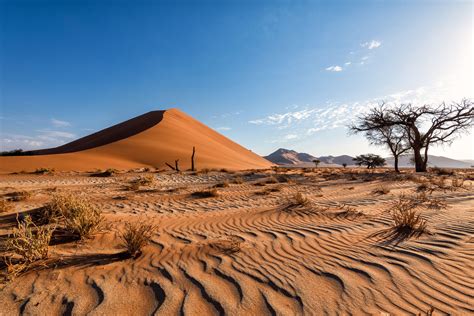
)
(148, 140)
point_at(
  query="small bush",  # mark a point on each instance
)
(76, 213)
(107, 173)
(238, 180)
(135, 237)
(457, 183)
(5, 206)
(267, 191)
(271, 180)
(299, 200)
(205, 171)
(141, 181)
(381, 190)
(19, 196)
(406, 218)
(206, 193)
(30, 242)
(223, 184)
(44, 171)
(442, 171)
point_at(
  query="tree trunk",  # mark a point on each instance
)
(192, 159)
(395, 162)
(420, 165)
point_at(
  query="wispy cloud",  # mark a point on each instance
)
(372, 44)
(334, 68)
(44, 138)
(59, 123)
(301, 123)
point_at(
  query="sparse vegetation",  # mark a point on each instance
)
(135, 237)
(407, 220)
(107, 173)
(141, 181)
(381, 190)
(206, 193)
(30, 242)
(442, 171)
(44, 171)
(76, 213)
(299, 200)
(5, 206)
(238, 180)
(19, 196)
(223, 184)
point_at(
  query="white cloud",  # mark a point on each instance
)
(347, 63)
(59, 123)
(334, 68)
(372, 44)
(301, 123)
(44, 138)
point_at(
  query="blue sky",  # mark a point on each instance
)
(267, 74)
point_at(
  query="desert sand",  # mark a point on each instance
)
(149, 140)
(249, 250)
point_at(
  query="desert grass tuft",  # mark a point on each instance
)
(29, 241)
(44, 170)
(141, 181)
(223, 184)
(406, 217)
(208, 193)
(107, 173)
(19, 196)
(76, 213)
(238, 180)
(381, 190)
(135, 237)
(5, 206)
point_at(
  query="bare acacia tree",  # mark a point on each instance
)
(423, 125)
(392, 137)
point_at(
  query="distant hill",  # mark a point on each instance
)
(290, 157)
(284, 156)
(433, 161)
(337, 160)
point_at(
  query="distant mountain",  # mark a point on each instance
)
(289, 157)
(469, 161)
(433, 161)
(284, 156)
(337, 160)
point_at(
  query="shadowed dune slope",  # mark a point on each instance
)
(148, 140)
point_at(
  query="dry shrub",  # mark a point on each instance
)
(141, 181)
(267, 191)
(135, 237)
(44, 171)
(227, 245)
(205, 170)
(29, 241)
(76, 213)
(19, 196)
(442, 171)
(223, 184)
(206, 193)
(238, 180)
(457, 183)
(299, 200)
(406, 218)
(381, 190)
(271, 179)
(5, 206)
(107, 173)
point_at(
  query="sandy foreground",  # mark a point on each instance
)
(248, 251)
